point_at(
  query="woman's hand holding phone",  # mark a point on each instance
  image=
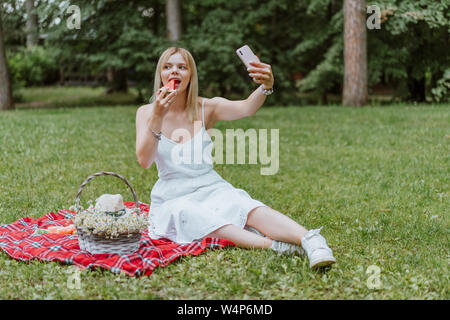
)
(260, 72)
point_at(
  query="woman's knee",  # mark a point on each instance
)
(220, 232)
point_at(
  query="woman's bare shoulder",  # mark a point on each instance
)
(143, 113)
(145, 107)
(209, 102)
(145, 110)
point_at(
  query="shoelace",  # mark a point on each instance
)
(284, 247)
(311, 233)
(314, 240)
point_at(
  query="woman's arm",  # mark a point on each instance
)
(224, 109)
(149, 118)
(146, 142)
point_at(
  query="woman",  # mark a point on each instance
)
(191, 201)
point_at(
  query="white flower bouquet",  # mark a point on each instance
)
(110, 224)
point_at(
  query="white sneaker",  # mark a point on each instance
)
(315, 245)
(286, 248)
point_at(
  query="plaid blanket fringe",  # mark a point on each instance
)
(18, 241)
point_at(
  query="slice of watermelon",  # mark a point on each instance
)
(171, 85)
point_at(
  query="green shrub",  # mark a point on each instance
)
(441, 93)
(33, 67)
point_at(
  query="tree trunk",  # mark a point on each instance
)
(6, 99)
(117, 80)
(324, 99)
(173, 19)
(110, 75)
(62, 78)
(156, 16)
(355, 53)
(31, 25)
(416, 88)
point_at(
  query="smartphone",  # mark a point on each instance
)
(246, 55)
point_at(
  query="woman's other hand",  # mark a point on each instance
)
(261, 74)
(163, 101)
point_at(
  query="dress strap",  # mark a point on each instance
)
(203, 112)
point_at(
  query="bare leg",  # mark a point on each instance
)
(276, 225)
(279, 227)
(242, 238)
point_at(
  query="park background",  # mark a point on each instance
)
(363, 114)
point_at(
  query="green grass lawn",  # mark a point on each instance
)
(376, 178)
(72, 96)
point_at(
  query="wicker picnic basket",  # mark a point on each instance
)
(96, 244)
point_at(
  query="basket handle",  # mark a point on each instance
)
(103, 173)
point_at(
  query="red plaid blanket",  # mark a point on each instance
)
(18, 241)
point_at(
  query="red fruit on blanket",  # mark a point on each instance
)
(70, 229)
(67, 230)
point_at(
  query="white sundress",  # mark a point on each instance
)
(190, 199)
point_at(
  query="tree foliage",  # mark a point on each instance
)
(411, 50)
(302, 40)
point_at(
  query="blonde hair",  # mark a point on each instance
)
(192, 89)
